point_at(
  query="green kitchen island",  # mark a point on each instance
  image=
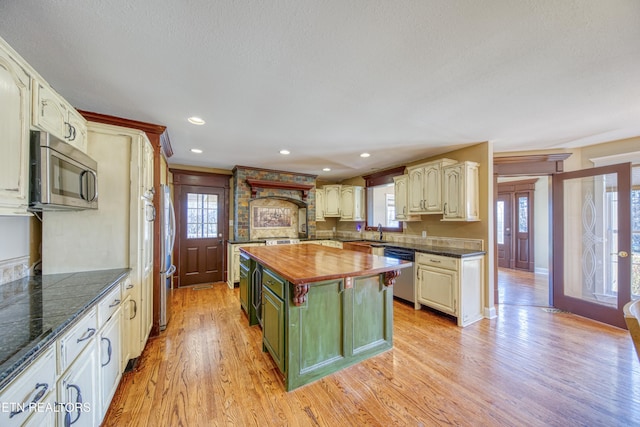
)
(321, 309)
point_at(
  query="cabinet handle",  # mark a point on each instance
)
(437, 261)
(445, 209)
(115, 303)
(135, 309)
(109, 350)
(43, 389)
(88, 334)
(130, 286)
(43, 104)
(78, 405)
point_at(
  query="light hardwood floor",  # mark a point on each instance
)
(528, 367)
(517, 287)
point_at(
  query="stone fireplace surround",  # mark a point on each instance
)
(278, 194)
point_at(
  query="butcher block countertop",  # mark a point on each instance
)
(313, 263)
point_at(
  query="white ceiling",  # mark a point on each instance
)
(330, 79)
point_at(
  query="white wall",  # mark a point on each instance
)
(541, 225)
(14, 237)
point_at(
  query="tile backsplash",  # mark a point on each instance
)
(447, 242)
(14, 269)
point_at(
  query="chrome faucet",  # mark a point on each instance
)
(380, 230)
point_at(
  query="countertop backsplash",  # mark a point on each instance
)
(14, 269)
(443, 242)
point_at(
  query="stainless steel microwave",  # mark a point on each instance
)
(61, 176)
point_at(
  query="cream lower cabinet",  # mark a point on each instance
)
(78, 400)
(451, 285)
(77, 387)
(109, 346)
(36, 385)
(14, 141)
(233, 261)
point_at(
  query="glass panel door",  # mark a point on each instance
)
(592, 242)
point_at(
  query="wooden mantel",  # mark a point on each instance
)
(259, 183)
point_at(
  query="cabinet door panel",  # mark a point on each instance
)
(14, 144)
(433, 189)
(453, 195)
(332, 198)
(320, 204)
(346, 203)
(437, 288)
(110, 353)
(49, 112)
(273, 326)
(77, 392)
(415, 190)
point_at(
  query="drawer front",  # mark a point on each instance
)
(273, 282)
(77, 338)
(437, 261)
(109, 305)
(127, 288)
(34, 385)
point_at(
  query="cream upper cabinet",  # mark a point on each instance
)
(51, 113)
(425, 187)
(77, 126)
(332, 200)
(352, 203)
(401, 192)
(461, 187)
(346, 202)
(320, 205)
(14, 137)
(147, 168)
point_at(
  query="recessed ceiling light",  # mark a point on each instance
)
(196, 150)
(196, 120)
(326, 169)
(285, 152)
(365, 155)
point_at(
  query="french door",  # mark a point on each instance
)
(592, 242)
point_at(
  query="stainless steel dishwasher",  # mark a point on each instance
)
(404, 287)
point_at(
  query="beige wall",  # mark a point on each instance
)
(432, 224)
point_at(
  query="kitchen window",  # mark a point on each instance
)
(380, 200)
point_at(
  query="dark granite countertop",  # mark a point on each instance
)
(429, 249)
(35, 310)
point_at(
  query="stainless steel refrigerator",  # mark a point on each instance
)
(168, 236)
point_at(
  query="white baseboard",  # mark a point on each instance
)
(542, 270)
(490, 313)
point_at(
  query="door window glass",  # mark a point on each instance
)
(500, 226)
(202, 216)
(523, 214)
(590, 243)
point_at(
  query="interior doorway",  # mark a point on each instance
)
(522, 240)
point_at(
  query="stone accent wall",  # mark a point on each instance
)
(242, 197)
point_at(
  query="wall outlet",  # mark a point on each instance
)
(424, 233)
(334, 229)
